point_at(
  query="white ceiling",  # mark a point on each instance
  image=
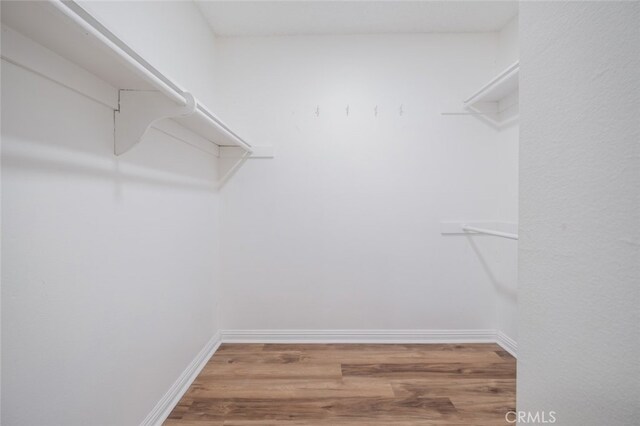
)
(260, 18)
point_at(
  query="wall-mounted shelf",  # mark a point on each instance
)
(498, 99)
(496, 229)
(105, 68)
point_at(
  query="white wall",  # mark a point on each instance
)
(506, 259)
(109, 265)
(341, 229)
(579, 212)
(504, 266)
(508, 45)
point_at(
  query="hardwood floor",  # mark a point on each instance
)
(342, 384)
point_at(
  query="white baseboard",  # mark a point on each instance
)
(358, 336)
(507, 343)
(164, 407)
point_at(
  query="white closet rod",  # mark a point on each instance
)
(77, 14)
(489, 232)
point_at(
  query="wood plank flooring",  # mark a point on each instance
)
(343, 384)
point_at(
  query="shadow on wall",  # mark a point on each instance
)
(151, 166)
(501, 287)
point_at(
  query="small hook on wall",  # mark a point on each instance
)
(401, 109)
(347, 110)
(317, 110)
(375, 111)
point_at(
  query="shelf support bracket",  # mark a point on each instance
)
(138, 110)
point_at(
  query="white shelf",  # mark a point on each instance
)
(70, 32)
(498, 99)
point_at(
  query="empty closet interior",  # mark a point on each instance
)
(180, 174)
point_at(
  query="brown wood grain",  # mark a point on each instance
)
(343, 384)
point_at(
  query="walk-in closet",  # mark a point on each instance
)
(251, 213)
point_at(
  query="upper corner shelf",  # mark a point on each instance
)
(140, 93)
(498, 99)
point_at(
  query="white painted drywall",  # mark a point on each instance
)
(504, 270)
(579, 336)
(506, 259)
(508, 42)
(109, 265)
(342, 229)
